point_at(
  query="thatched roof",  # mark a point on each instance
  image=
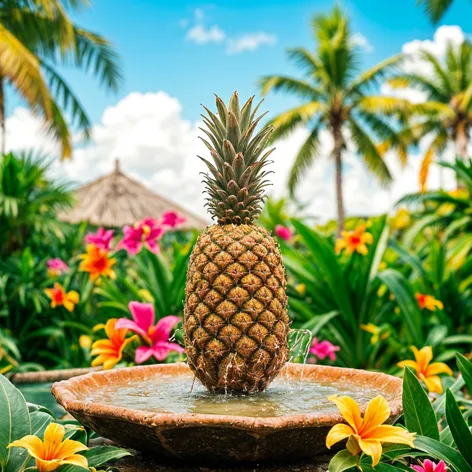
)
(116, 200)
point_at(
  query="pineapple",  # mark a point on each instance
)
(236, 323)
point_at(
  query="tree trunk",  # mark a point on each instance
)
(462, 142)
(2, 116)
(338, 144)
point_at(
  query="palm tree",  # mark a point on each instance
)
(336, 99)
(435, 9)
(446, 114)
(35, 37)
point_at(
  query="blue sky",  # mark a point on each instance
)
(156, 55)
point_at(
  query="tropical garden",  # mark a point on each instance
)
(389, 293)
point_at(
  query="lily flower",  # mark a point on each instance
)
(56, 267)
(110, 351)
(428, 302)
(366, 434)
(102, 238)
(283, 232)
(145, 233)
(59, 297)
(425, 371)
(97, 263)
(323, 349)
(401, 220)
(172, 219)
(156, 336)
(54, 451)
(377, 332)
(430, 466)
(355, 240)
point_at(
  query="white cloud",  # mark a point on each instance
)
(200, 33)
(250, 42)
(360, 40)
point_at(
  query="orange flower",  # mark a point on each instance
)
(53, 451)
(59, 297)
(354, 240)
(366, 434)
(426, 371)
(110, 351)
(428, 302)
(97, 263)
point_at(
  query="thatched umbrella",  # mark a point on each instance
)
(116, 200)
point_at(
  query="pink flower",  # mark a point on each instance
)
(172, 219)
(430, 466)
(102, 238)
(323, 349)
(283, 232)
(56, 267)
(145, 233)
(156, 336)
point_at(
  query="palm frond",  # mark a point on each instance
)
(370, 153)
(57, 128)
(421, 82)
(435, 9)
(436, 147)
(305, 157)
(288, 84)
(439, 71)
(306, 61)
(383, 105)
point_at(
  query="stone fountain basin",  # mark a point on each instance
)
(216, 438)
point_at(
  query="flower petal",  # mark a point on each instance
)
(143, 353)
(408, 363)
(433, 384)
(164, 328)
(392, 434)
(372, 448)
(377, 412)
(438, 368)
(69, 448)
(76, 459)
(143, 314)
(338, 433)
(125, 323)
(31, 443)
(350, 411)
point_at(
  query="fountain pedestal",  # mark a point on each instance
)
(152, 409)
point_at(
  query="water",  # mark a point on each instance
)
(170, 394)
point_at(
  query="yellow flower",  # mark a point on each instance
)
(85, 342)
(354, 240)
(368, 433)
(401, 220)
(97, 263)
(301, 289)
(425, 371)
(53, 451)
(428, 302)
(146, 295)
(59, 297)
(376, 331)
(382, 266)
(110, 351)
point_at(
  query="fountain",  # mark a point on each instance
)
(221, 406)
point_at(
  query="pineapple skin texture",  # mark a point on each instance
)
(235, 318)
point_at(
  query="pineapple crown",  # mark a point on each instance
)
(235, 183)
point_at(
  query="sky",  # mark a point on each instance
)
(176, 54)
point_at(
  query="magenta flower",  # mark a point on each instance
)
(283, 232)
(146, 233)
(56, 267)
(102, 238)
(323, 349)
(430, 466)
(156, 336)
(172, 219)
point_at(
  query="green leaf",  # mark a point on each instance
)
(442, 452)
(418, 412)
(342, 461)
(14, 424)
(465, 367)
(98, 456)
(318, 321)
(401, 289)
(459, 428)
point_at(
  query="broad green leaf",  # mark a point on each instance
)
(465, 367)
(342, 461)
(98, 456)
(419, 414)
(14, 424)
(442, 452)
(459, 428)
(317, 322)
(401, 289)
